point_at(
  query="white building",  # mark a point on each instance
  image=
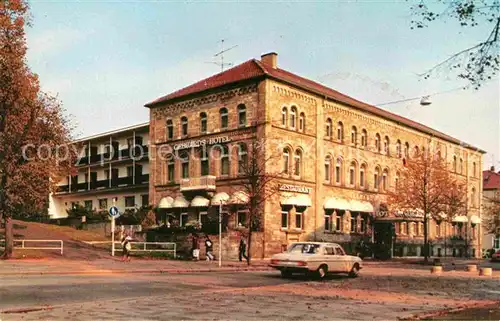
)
(113, 168)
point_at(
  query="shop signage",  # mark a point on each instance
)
(202, 142)
(295, 188)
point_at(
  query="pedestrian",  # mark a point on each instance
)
(126, 246)
(195, 247)
(243, 248)
(209, 249)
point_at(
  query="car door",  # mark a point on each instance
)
(343, 261)
(331, 259)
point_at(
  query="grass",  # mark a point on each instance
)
(72, 233)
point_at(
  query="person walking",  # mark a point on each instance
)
(243, 248)
(126, 246)
(195, 247)
(209, 249)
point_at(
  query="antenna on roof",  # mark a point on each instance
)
(221, 55)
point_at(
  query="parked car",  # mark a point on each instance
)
(495, 257)
(316, 259)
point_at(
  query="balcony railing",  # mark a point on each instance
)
(104, 184)
(206, 183)
(139, 152)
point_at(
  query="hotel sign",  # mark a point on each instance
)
(295, 188)
(202, 142)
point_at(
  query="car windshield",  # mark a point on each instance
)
(304, 248)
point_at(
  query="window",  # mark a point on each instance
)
(377, 143)
(130, 171)
(384, 180)
(353, 223)
(339, 251)
(386, 145)
(286, 160)
(338, 221)
(408, 228)
(103, 204)
(396, 181)
(364, 138)
(338, 171)
(298, 219)
(204, 165)
(88, 204)
(284, 219)
(302, 122)
(328, 164)
(170, 129)
(224, 161)
(184, 126)
(241, 218)
(474, 169)
(171, 168)
(183, 219)
(328, 128)
(293, 117)
(106, 174)
(407, 150)
(242, 158)
(145, 200)
(402, 227)
(398, 149)
(203, 218)
(185, 164)
(328, 220)
(284, 116)
(354, 135)
(203, 123)
(242, 115)
(129, 201)
(473, 197)
(376, 177)
(74, 204)
(362, 175)
(340, 131)
(455, 164)
(496, 242)
(352, 174)
(297, 162)
(438, 229)
(223, 118)
(362, 224)
(438, 155)
(461, 166)
(329, 250)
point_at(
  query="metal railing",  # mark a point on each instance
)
(24, 247)
(206, 182)
(149, 247)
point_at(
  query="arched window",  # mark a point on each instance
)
(242, 158)
(286, 160)
(377, 143)
(203, 123)
(170, 168)
(223, 118)
(352, 174)
(340, 131)
(328, 165)
(461, 166)
(284, 117)
(376, 178)
(438, 155)
(364, 138)
(474, 169)
(302, 122)
(293, 117)
(386, 145)
(407, 150)
(362, 176)
(473, 197)
(398, 149)
(297, 163)
(416, 152)
(338, 171)
(242, 115)
(455, 164)
(204, 162)
(184, 158)
(184, 126)
(354, 135)
(170, 129)
(396, 181)
(385, 176)
(328, 128)
(224, 160)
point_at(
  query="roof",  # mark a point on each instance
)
(491, 180)
(112, 132)
(255, 68)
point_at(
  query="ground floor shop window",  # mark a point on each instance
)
(496, 242)
(183, 219)
(284, 219)
(241, 218)
(328, 221)
(338, 221)
(88, 204)
(203, 218)
(103, 204)
(353, 223)
(362, 224)
(129, 201)
(299, 219)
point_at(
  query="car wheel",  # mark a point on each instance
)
(322, 271)
(354, 271)
(285, 274)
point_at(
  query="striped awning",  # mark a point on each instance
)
(180, 202)
(200, 201)
(166, 202)
(221, 198)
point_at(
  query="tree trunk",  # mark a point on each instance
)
(9, 241)
(426, 240)
(249, 253)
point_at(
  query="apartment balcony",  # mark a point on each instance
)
(138, 152)
(104, 184)
(204, 183)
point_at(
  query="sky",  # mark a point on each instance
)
(105, 59)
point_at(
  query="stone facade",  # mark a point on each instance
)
(295, 119)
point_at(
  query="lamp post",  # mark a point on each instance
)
(220, 234)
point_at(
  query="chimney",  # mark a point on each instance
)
(270, 59)
(492, 168)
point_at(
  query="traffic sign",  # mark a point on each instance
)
(113, 211)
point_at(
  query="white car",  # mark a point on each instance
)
(317, 258)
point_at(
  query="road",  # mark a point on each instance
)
(229, 296)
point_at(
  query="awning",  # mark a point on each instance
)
(239, 198)
(219, 198)
(180, 201)
(474, 219)
(442, 215)
(292, 201)
(166, 202)
(360, 206)
(460, 219)
(336, 203)
(200, 201)
(303, 200)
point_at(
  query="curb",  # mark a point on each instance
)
(444, 312)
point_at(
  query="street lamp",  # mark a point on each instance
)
(425, 101)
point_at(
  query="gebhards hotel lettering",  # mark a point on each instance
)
(202, 142)
(295, 188)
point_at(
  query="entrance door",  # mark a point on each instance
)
(384, 238)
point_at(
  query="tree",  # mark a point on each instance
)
(34, 134)
(491, 217)
(258, 183)
(478, 63)
(426, 184)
